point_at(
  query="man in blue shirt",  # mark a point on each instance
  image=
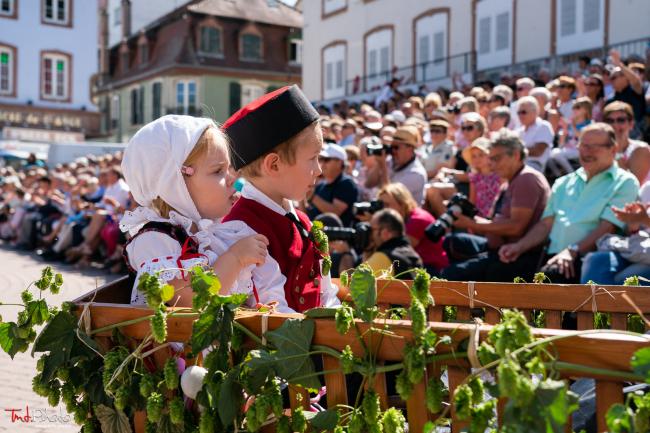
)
(337, 192)
(579, 210)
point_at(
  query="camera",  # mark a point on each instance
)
(358, 237)
(365, 207)
(452, 108)
(458, 203)
(378, 149)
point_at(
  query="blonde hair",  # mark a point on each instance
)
(286, 151)
(600, 128)
(615, 106)
(584, 102)
(201, 148)
(433, 99)
(401, 194)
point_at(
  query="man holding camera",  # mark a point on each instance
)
(392, 247)
(517, 208)
(337, 192)
(404, 166)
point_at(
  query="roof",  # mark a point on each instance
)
(251, 10)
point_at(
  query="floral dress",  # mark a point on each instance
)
(486, 187)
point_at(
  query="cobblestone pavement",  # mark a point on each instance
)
(17, 270)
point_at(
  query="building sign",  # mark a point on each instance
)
(51, 120)
(41, 135)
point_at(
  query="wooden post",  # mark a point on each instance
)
(585, 320)
(456, 376)
(335, 382)
(492, 316)
(553, 319)
(416, 407)
(607, 394)
(619, 321)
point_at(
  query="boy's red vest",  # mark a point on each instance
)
(297, 256)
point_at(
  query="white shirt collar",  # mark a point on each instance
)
(250, 192)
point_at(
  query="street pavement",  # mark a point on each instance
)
(17, 270)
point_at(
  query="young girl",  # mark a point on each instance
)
(484, 184)
(178, 169)
(568, 149)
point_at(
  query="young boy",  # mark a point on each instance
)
(276, 141)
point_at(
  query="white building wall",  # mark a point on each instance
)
(628, 20)
(143, 12)
(30, 37)
(533, 30)
(361, 17)
(493, 33)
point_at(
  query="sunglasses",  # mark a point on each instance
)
(438, 131)
(592, 84)
(619, 120)
(324, 159)
(565, 86)
(467, 128)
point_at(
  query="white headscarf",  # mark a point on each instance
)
(152, 165)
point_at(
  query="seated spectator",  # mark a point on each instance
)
(337, 192)
(522, 88)
(537, 134)
(628, 88)
(593, 88)
(482, 183)
(498, 118)
(440, 153)
(611, 267)
(392, 250)
(633, 155)
(518, 207)
(566, 86)
(416, 220)
(342, 254)
(567, 152)
(472, 126)
(402, 166)
(579, 210)
(348, 133)
(546, 110)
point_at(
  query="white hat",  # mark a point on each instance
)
(152, 164)
(334, 151)
(399, 116)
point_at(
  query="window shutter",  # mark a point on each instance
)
(155, 103)
(141, 105)
(503, 31)
(384, 60)
(329, 76)
(423, 50)
(339, 74)
(438, 46)
(568, 19)
(484, 35)
(134, 106)
(590, 15)
(372, 63)
(235, 96)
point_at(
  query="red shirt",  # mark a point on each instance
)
(432, 253)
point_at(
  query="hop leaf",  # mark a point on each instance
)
(176, 410)
(403, 385)
(463, 401)
(122, 397)
(393, 421)
(344, 319)
(435, 393)
(147, 385)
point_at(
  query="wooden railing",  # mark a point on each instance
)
(599, 350)
(552, 299)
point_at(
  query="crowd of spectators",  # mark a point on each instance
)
(69, 212)
(490, 182)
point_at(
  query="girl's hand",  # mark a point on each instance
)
(251, 250)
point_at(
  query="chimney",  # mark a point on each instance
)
(103, 41)
(126, 19)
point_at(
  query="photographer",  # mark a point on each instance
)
(404, 166)
(517, 208)
(416, 220)
(337, 191)
(392, 248)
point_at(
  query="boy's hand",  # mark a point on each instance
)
(250, 250)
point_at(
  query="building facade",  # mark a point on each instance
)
(45, 73)
(352, 47)
(204, 58)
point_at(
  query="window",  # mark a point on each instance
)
(210, 41)
(251, 47)
(115, 111)
(125, 58)
(143, 49)
(56, 12)
(137, 106)
(379, 46)
(7, 70)
(430, 39)
(568, 23)
(55, 78)
(250, 92)
(503, 31)
(295, 51)
(8, 8)
(186, 97)
(591, 15)
(117, 16)
(156, 96)
(333, 6)
(333, 64)
(484, 35)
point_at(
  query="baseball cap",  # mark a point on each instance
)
(333, 151)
